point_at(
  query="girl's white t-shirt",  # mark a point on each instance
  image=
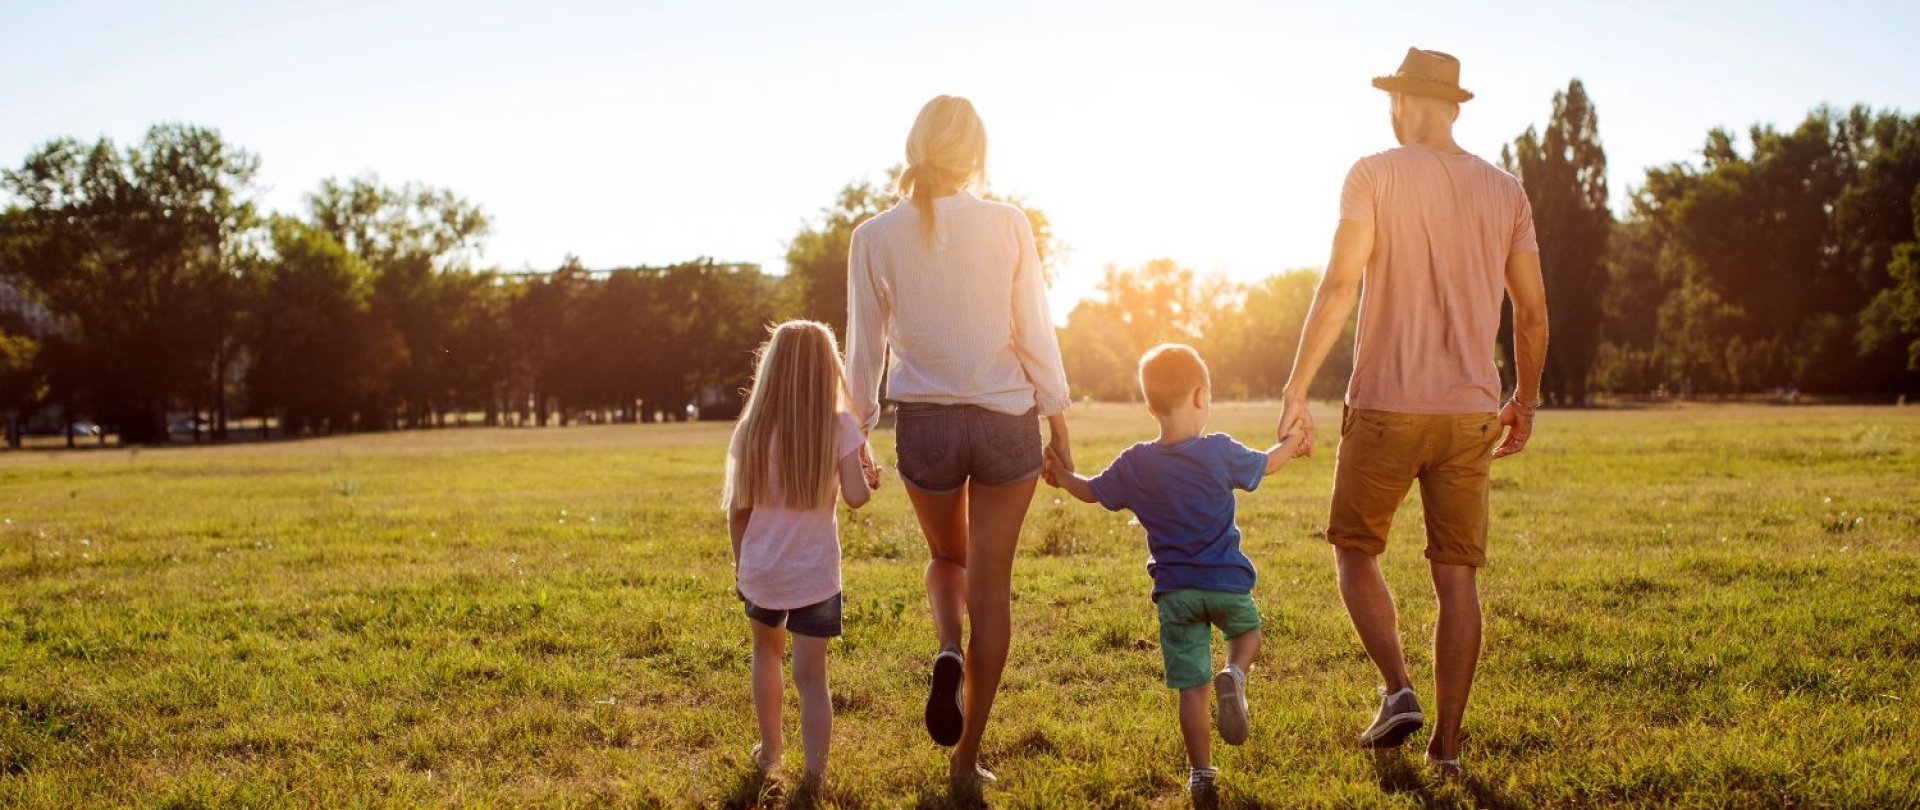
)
(790, 558)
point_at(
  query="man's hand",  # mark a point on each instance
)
(1296, 424)
(868, 469)
(1518, 420)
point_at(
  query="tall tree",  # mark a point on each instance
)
(1564, 172)
(139, 250)
(417, 240)
(312, 355)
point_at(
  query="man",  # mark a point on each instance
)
(1430, 237)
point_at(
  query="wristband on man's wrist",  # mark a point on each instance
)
(1518, 403)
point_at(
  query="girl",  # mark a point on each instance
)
(794, 451)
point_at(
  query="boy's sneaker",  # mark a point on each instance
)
(1200, 781)
(944, 719)
(1399, 716)
(1230, 704)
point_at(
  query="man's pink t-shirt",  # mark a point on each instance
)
(1443, 228)
(790, 558)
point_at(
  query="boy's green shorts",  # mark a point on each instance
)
(1187, 619)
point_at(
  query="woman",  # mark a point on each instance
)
(951, 284)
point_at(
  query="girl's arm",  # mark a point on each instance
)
(736, 529)
(853, 479)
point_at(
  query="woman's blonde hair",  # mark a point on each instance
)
(946, 152)
(798, 387)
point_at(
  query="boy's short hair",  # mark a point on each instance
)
(1169, 373)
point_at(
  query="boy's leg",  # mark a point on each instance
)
(1243, 648)
(1239, 620)
(1186, 652)
(769, 691)
(816, 703)
(1196, 727)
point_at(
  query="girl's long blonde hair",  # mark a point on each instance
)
(798, 387)
(946, 152)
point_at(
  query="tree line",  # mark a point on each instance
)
(145, 282)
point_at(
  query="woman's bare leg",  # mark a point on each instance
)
(994, 516)
(943, 519)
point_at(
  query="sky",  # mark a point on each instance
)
(628, 133)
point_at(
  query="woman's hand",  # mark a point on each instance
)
(1058, 444)
(868, 468)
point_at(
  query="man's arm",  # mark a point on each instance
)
(1529, 295)
(1332, 304)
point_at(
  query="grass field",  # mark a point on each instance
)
(1689, 606)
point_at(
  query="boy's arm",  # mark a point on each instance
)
(1074, 483)
(1279, 454)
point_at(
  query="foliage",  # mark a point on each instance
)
(139, 250)
(1565, 176)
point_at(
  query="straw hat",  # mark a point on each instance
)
(1426, 73)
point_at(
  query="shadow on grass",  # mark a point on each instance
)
(1399, 773)
(757, 790)
(754, 790)
(945, 795)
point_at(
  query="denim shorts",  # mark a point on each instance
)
(819, 620)
(941, 447)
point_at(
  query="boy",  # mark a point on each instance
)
(1180, 487)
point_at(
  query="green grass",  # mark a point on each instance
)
(1693, 606)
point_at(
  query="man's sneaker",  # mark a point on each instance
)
(1230, 704)
(1399, 716)
(1200, 781)
(943, 698)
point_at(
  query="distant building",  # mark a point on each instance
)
(16, 307)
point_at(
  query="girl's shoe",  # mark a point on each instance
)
(1448, 769)
(944, 718)
(1230, 704)
(759, 761)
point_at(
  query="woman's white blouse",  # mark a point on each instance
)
(964, 317)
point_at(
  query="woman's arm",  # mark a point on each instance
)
(867, 315)
(1034, 338)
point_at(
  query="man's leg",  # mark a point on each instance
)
(1375, 618)
(1454, 492)
(1456, 652)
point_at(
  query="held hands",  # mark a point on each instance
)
(868, 469)
(1517, 418)
(1296, 425)
(1051, 467)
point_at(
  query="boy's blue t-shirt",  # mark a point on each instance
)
(1183, 496)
